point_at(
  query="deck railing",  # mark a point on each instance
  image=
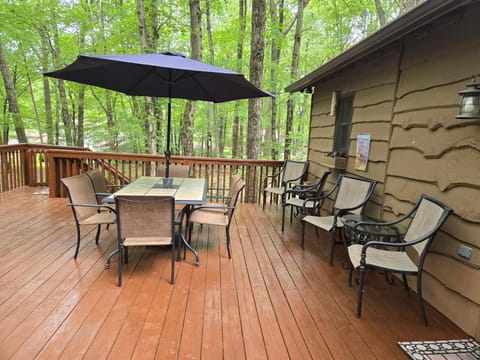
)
(44, 165)
(25, 164)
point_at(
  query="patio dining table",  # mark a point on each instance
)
(185, 191)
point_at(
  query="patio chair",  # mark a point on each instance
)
(289, 175)
(351, 194)
(145, 221)
(220, 205)
(86, 210)
(406, 257)
(217, 214)
(175, 170)
(300, 193)
(100, 186)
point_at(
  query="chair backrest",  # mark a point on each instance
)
(294, 170)
(80, 191)
(145, 216)
(353, 192)
(98, 180)
(233, 181)
(175, 170)
(428, 216)
(232, 201)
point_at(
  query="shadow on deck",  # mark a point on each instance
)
(271, 300)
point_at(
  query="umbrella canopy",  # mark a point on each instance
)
(168, 74)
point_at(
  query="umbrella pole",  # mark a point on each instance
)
(167, 150)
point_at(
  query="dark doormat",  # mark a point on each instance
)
(442, 349)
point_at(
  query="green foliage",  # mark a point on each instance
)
(96, 27)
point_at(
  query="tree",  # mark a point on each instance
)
(148, 45)
(236, 134)
(54, 32)
(294, 74)
(276, 19)
(257, 54)
(186, 134)
(13, 107)
(47, 97)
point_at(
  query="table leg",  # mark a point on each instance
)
(183, 239)
(109, 258)
(187, 244)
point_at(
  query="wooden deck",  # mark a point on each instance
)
(271, 300)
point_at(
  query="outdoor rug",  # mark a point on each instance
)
(443, 349)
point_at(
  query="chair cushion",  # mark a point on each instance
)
(323, 222)
(385, 259)
(103, 217)
(147, 241)
(299, 203)
(275, 190)
(209, 217)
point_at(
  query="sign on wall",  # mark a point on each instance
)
(363, 148)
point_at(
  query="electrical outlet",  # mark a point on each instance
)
(464, 251)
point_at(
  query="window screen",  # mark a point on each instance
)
(343, 122)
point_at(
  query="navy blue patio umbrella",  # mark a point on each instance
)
(168, 74)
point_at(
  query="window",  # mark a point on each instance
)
(343, 122)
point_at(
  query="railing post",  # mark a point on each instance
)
(27, 165)
(53, 177)
(250, 195)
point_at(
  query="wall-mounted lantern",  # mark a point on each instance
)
(470, 101)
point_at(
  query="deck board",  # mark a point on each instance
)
(271, 300)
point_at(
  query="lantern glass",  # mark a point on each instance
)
(470, 102)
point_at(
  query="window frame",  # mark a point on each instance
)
(343, 125)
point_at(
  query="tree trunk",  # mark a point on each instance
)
(14, 110)
(218, 123)
(256, 77)
(34, 102)
(236, 134)
(146, 46)
(277, 29)
(80, 136)
(380, 13)
(81, 117)
(46, 86)
(5, 123)
(186, 134)
(294, 74)
(257, 54)
(65, 115)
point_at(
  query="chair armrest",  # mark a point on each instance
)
(296, 191)
(206, 207)
(299, 188)
(115, 186)
(222, 197)
(287, 182)
(397, 245)
(94, 206)
(377, 223)
(221, 207)
(318, 200)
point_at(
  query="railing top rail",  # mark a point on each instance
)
(10, 147)
(146, 157)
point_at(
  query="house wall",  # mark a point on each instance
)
(406, 97)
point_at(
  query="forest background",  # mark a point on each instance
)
(273, 42)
